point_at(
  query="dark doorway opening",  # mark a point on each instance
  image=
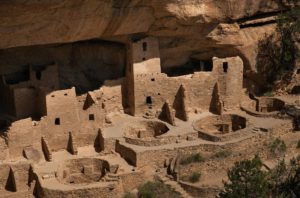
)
(225, 67)
(145, 46)
(148, 100)
(57, 121)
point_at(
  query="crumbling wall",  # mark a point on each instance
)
(21, 134)
(47, 77)
(85, 65)
(112, 98)
(23, 100)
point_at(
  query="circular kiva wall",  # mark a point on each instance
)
(220, 128)
(146, 129)
(264, 107)
(145, 133)
(221, 125)
(83, 171)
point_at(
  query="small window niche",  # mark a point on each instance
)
(38, 75)
(91, 117)
(225, 67)
(145, 46)
(57, 121)
(148, 100)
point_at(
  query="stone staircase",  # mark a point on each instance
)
(109, 177)
(173, 185)
(149, 114)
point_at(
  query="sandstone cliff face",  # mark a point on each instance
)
(185, 28)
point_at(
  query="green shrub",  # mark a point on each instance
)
(277, 147)
(128, 195)
(192, 159)
(298, 144)
(222, 154)
(156, 190)
(246, 179)
(194, 177)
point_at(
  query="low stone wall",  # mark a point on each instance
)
(127, 153)
(157, 141)
(157, 157)
(259, 114)
(86, 192)
(198, 191)
(223, 138)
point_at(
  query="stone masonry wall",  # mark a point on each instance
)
(230, 77)
(152, 90)
(62, 118)
(21, 134)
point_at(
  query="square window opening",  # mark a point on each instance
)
(57, 121)
(91, 117)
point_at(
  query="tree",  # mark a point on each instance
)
(276, 55)
(287, 183)
(246, 179)
(288, 24)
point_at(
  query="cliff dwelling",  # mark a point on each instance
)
(133, 99)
